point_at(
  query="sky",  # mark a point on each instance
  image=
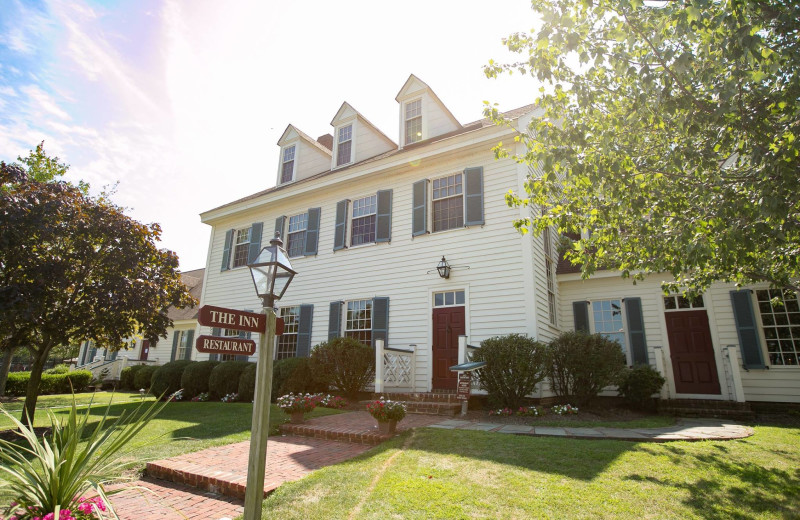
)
(182, 103)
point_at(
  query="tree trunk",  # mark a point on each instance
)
(32, 392)
(5, 367)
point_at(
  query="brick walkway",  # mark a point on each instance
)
(160, 500)
(355, 427)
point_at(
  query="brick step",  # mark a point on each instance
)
(355, 436)
(740, 415)
(439, 396)
(446, 408)
(706, 404)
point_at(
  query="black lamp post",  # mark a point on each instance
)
(444, 268)
(272, 273)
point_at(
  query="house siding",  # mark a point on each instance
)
(496, 300)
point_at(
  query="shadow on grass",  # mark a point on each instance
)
(741, 489)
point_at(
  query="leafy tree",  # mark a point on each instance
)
(670, 132)
(74, 268)
(41, 168)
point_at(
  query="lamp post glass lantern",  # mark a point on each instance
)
(444, 268)
(272, 273)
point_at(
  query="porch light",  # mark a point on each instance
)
(272, 272)
(443, 268)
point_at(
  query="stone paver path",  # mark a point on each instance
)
(684, 430)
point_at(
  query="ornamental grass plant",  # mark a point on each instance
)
(54, 473)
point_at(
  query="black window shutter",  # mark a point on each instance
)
(340, 231)
(280, 223)
(419, 208)
(216, 331)
(175, 337)
(380, 320)
(580, 315)
(335, 320)
(189, 344)
(255, 241)
(312, 232)
(226, 252)
(749, 341)
(383, 227)
(633, 313)
(473, 196)
(304, 331)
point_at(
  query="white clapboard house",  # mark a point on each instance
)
(367, 220)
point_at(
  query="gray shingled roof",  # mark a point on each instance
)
(193, 280)
(469, 127)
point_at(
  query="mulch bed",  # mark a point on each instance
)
(602, 414)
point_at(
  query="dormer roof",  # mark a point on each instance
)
(292, 133)
(347, 112)
(414, 87)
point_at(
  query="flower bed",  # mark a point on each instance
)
(385, 410)
(292, 403)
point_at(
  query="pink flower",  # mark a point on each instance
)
(48, 516)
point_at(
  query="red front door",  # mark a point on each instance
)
(145, 350)
(448, 325)
(692, 353)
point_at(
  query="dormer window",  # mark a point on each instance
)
(344, 145)
(413, 121)
(287, 168)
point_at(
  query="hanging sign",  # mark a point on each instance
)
(464, 386)
(223, 318)
(219, 345)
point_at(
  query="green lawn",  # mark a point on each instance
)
(65, 400)
(469, 474)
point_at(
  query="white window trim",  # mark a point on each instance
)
(423, 123)
(335, 158)
(295, 334)
(764, 349)
(433, 300)
(349, 222)
(304, 231)
(344, 328)
(625, 331)
(431, 200)
(296, 145)
(233, 247)
(551, 262)
(180, 352)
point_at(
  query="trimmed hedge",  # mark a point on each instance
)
(515, 364)
(142, 378)
(194, 380)
(638, 384)
(295, 375)
(17, 384)
(167, 378)
(247, 383)
(344, 363)
(581, 365)
(224, 378)
(126, 377)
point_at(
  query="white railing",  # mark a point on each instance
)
(661, 369)
(111, 369)
(733, 377)
(394, 367)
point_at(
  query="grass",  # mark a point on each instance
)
(469, 474)
(65, 400)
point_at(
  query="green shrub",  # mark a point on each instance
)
(143, 377)
(77, 380)
(345, 364)
(224, 378)
(295, 375)
(127, 377)
(515, 364)
(167, 378)
(638, 384)
(247, 383)
(58, 369)
(581, 365)
(194, 380)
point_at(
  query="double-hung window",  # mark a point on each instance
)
(229, 333)
(241, 248)
(607, 320)
(296, 235)
(550, 262)
(287, 165)
(358, 321)
(363, 220)
(183, 344)
(344, 146)
(448, 203)
(413, 121)
(287, 342)
(781, 325)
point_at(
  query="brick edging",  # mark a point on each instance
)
(319, 432)
(212, 484)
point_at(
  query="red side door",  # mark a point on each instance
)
(145, 350)
(448, 325)
(692, 353)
